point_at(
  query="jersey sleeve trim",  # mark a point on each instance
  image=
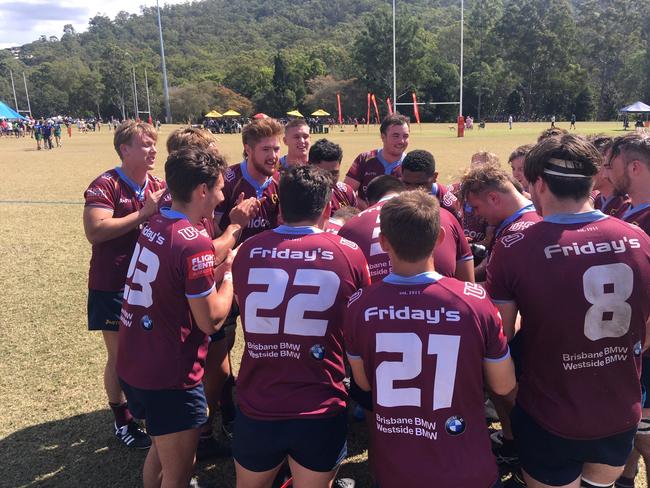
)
(465, 258)
(502, 302)
(353, 356)
(498, 360)
(203, 294)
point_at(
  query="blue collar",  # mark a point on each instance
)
(140, 193)
(579, 218)
(283, 161)
(435, 189)
(389, 167)
(632, 210)
(259, 189)
(528, 208)
(418, 279)
(168, 213)
(299, 230)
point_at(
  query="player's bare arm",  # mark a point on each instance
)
(351, 182)
(211, 311)
(508, 311)
(500, 377)
(101, 226)
(359, 373)
(465, 270)
(243, 211)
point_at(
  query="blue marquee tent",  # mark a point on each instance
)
(7, 112)
(636, 108)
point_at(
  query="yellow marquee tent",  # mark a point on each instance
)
(231, 113)
(213, 115)
(320, 113)
(295, 113)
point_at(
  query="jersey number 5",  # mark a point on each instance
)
(409, 345)
(277, 280)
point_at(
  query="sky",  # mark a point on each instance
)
(24, 21)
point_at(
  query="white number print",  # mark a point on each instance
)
(143, 297)
(375, 247)
(409, 344)
(607, 288)
(327, 285)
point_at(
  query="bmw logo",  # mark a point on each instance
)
(637, 349)
(146, 322)
(455, 425)
(317, 352)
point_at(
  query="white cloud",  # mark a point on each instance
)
(24, 21)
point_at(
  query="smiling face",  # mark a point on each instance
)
(298, 142)
(396, 140)
(140, 152)
(263, 157)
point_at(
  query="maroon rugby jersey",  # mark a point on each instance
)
(114, 191)
(582, 285)
(369, 165)
(160, 345)
(614, 205)
(332, 226)
(423, 341)
(639, 216)
(238, 180)
(364, 230)
(292, 285)
(342, 196)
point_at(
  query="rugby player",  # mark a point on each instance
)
(420, 172)
(423, 343)
(394, 130)
(628, 170)
(579, 399)
(255, 177)
(118, 203)
(607, 199)
(327, 156)
(453, 255)
(490, 193)
(217, 362)
(171, 304)
(297, 139)
(292, 284)
(516, 162)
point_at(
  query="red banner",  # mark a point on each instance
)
(374, 102)
(390, 107)
(415, 109)
(368, 118)
(338, 101)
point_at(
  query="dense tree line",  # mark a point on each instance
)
(528, 58)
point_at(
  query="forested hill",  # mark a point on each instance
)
(525, 57)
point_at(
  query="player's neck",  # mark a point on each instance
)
(404, 268)
(134, 173)
(567, 206)
(192, 214)
(640, 193)
(516, 203)
(255, 174)
(297, 159)
(390, 157)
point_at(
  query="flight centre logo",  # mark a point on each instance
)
(455, 425)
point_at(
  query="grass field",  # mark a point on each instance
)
(55, 428)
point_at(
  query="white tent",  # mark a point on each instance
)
(636, 108)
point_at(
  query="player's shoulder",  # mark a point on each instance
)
(107, 178)
(232, 173)
(343, 187)
(184, 235)
(367, 156)
(363, 295)
(468, 295)
(158, 182)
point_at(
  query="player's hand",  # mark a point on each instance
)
(224, 267)
(244, 210)
(151, 202)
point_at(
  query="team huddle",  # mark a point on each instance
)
(526, 290)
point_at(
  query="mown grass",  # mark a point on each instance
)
(55, 428)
